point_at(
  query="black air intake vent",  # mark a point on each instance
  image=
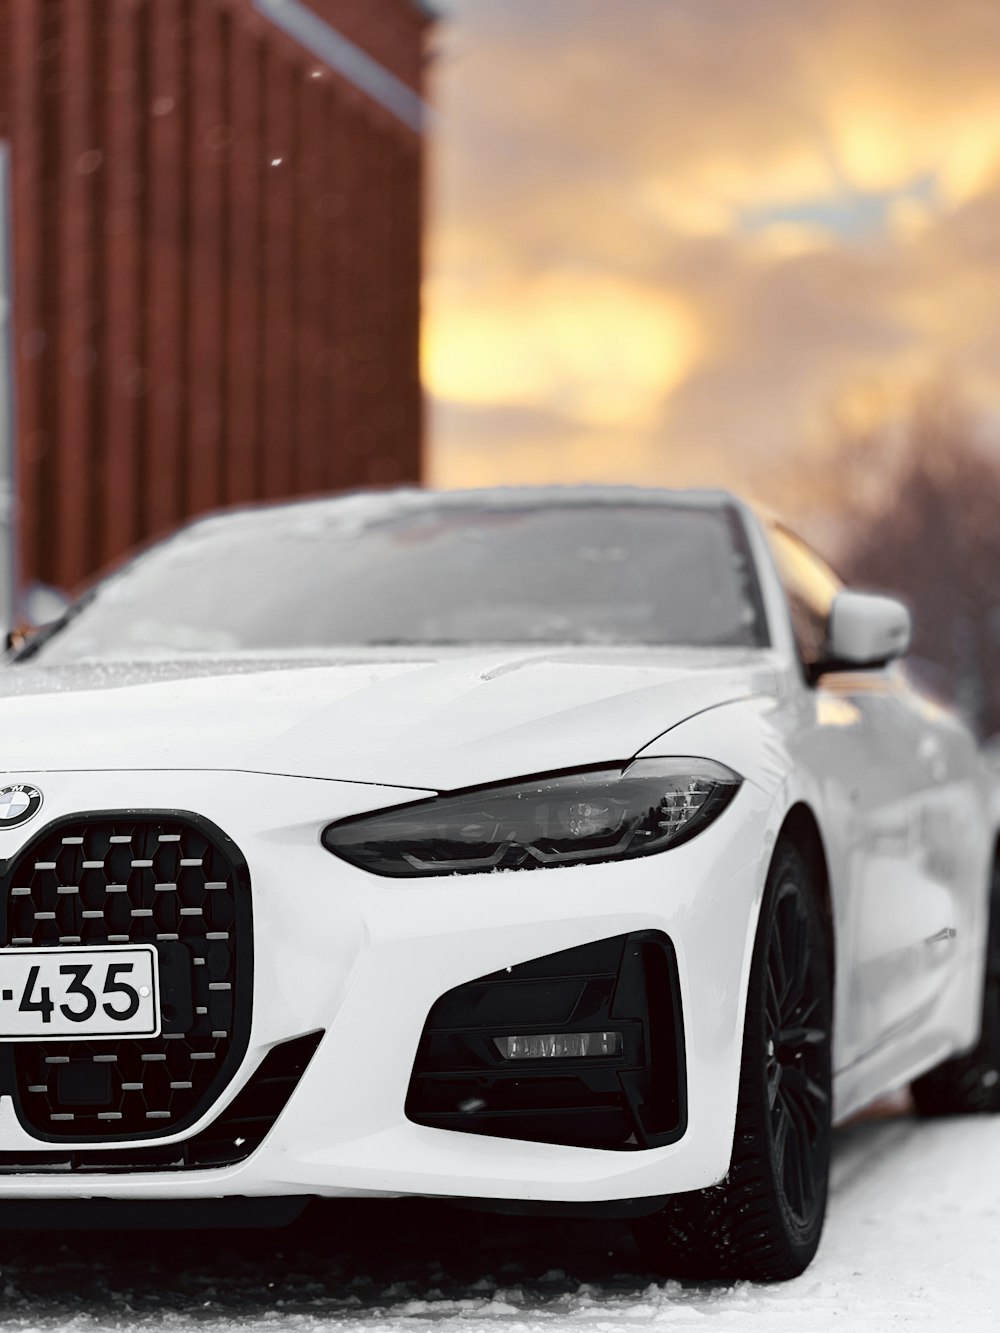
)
(633, 1097)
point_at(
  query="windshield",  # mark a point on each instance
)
(315, 577)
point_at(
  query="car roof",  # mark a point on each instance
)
(378, 505)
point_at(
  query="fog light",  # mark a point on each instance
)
(559, 1045)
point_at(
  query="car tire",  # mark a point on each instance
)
(763, 1222)
(970, 1084)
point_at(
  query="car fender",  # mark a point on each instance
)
(749, 736)
(746, 735)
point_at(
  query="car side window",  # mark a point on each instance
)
(810, 587)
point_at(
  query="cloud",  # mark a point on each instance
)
(601, 348)
(663, 236)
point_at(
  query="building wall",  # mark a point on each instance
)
(217, 259)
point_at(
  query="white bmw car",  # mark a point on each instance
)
(561, 850)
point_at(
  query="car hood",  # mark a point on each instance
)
(433, 721)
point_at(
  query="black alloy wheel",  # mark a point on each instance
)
(970, 1084)
(764, 1221)
(798, 1057)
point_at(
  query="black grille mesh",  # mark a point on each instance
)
(171, 880)
(238, 1131)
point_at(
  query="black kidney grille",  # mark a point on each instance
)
(168, 879)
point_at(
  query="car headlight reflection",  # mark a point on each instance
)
(605, 814)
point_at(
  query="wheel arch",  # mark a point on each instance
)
(801, 828)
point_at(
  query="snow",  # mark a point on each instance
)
(356, 510)
(911, 1243)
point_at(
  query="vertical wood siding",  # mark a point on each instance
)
(217, 263)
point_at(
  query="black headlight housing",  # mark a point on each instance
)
(601, 814)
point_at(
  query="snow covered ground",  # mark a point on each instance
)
(912, 1242)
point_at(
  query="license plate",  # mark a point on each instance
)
(81, 994)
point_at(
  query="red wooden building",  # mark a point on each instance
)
(216, 259)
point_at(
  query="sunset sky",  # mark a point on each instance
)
(666, 237)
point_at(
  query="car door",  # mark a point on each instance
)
(953, 839)
(905, 924)
(874, 757)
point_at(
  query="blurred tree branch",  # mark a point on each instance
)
(915, 488)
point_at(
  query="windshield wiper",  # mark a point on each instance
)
(50, 630)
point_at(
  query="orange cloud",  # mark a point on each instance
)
(599, 349)
(663, 235)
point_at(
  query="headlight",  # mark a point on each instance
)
(606, 814)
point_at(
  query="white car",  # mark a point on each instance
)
(560, 849)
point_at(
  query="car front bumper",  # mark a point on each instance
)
(365, 958)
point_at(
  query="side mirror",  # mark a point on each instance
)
(866, 631)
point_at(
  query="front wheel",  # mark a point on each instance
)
(970, 1084)
(764, 1221)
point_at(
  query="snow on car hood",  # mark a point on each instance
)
(422, 718)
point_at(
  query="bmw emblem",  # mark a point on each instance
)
(18, 804)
